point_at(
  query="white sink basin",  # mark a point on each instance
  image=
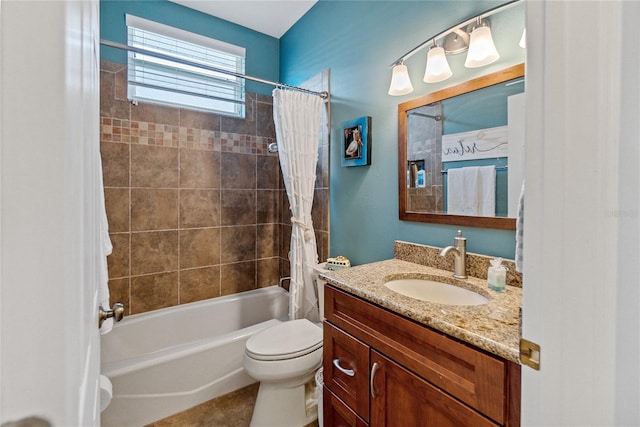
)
(437, 292)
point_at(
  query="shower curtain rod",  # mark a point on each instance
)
(429, 116)
(323, 95)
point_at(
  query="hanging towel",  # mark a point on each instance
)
(471, 191)
(487, 190)
(104, 250)
(520, 231)
(461, 185)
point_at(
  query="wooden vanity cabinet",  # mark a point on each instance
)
(382, 369)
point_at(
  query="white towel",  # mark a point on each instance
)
(461, 182)
(487, 190)
(104, 249)
(471, 191)
(520, 231)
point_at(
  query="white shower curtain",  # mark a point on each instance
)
(297, 118)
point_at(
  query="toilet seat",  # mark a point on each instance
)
(287, 340)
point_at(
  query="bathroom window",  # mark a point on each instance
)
(168, 80)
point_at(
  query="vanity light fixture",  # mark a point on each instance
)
(437, 68)
(400, 81)
(472, 34)
(482, 50)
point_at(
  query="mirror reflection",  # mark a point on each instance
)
(461, 152)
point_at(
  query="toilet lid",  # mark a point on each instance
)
(285, 341)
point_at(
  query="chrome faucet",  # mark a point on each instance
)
(460, 256)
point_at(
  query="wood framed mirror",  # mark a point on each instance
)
(464, 129)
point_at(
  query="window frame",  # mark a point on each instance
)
(178, 82)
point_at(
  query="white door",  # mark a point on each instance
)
(581, 294)
(49, 82)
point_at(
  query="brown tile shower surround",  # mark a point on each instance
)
(195, 203)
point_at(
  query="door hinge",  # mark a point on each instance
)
(530, 354)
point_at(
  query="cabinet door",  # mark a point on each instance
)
(401, 398)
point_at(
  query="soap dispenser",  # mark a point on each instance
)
(497, 275)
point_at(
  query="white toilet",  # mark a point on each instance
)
(285, 358)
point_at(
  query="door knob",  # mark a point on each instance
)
(117, 313)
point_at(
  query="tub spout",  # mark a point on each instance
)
(459, 252)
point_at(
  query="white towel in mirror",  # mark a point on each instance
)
(471, 191)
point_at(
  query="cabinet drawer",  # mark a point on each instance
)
(346, 369)
(474, 377)
(337, 414)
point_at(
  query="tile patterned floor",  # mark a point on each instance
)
(231, 410)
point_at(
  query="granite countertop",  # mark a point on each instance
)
(494, 327)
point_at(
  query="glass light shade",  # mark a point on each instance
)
(437, 68)
(400, 82)
(523, 39)
(482, 51)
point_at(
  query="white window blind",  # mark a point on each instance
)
(171, 82)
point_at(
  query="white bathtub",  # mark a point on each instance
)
(169, 360)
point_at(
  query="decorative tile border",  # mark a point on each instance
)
(144, 133)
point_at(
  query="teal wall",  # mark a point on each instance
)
(262, 54)
(357, 40)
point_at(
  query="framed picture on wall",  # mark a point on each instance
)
(356, 142)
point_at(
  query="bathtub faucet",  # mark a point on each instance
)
(459, 254)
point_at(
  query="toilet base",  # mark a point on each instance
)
(278, 405)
